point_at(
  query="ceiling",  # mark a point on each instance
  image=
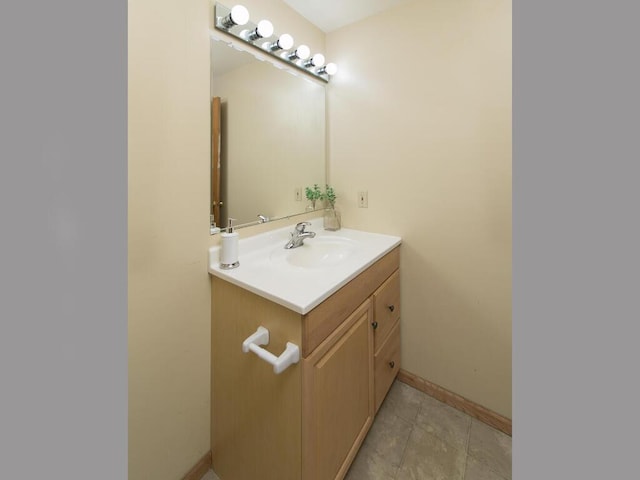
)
(329, 15)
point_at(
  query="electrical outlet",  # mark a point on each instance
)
(363, 199)
(298, 194)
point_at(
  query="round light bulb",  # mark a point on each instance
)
(303, 52)
(331, 68)
(239, 15)
(285, 41)
(317, 60)
(265, 28)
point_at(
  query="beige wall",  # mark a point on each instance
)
(420, 116)
(169, 298)
(168, 214)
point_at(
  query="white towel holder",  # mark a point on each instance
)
(290, 355)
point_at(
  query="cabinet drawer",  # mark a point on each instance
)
(386, 365)
(386, 304)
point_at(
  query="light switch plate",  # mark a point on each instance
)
(363, 199)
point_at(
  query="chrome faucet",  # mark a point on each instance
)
(298, 235)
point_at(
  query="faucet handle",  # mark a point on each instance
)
(301, 226)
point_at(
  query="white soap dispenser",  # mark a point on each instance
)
(229, 248)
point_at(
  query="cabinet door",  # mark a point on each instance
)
(338, 397)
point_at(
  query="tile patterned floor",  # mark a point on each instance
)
(415, 437)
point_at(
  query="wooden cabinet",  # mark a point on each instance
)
(337, 404)
(386, 323)
(308, 422)
(386, 302)
(386, 364)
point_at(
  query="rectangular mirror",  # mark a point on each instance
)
(268, 137)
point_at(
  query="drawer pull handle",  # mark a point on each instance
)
(392, 364)
(374, 325)
(391, 308)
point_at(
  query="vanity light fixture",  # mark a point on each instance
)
(300, 53)
(284, 42)
(329, 69)
(230, 21)
(316, 61)
(238, 15)
(263, 30)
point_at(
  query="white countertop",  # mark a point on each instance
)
(265, 271)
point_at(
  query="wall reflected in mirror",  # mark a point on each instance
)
(271, 133)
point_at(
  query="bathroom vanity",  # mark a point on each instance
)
(338, 301)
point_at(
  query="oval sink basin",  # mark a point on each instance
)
(317, 252)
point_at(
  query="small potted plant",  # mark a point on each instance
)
(331, 215)
(313, 194)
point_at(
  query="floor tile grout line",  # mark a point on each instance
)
(404, 452)
(466, 462)
(489, 467)
(413, 426)
(397, 418)
(461, 451)
(466, 450)
(406, 445)
(482, 461)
